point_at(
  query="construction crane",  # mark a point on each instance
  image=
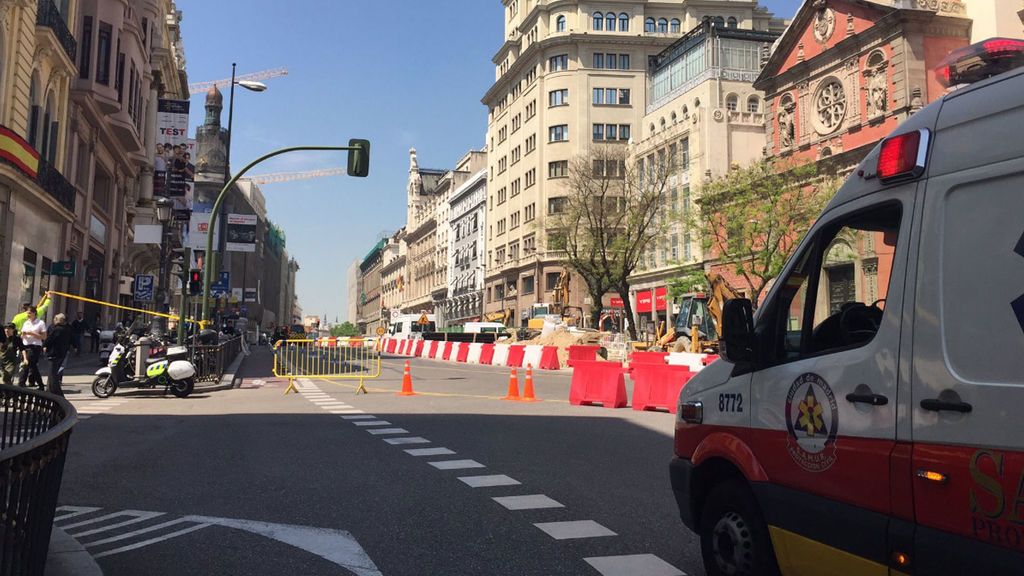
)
(200, 87)
(289, 176)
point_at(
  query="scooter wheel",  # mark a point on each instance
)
(182, 388)
(103, 387)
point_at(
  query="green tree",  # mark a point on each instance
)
(753, 218)
(345, 329)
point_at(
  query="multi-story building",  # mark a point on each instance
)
(467, 238)
(568, 74)
(703, 117)
(424, 192)
(352, 282)
(392, 272)
(371, 314)
(38, 202)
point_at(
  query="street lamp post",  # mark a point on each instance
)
(163, 207)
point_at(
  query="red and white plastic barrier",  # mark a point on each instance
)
(475, 348)
(657, 385)
(597, 382)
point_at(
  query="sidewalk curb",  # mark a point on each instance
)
(66, 557)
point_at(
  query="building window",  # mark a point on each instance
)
(502, 195)
(558, 97)
(558, 169)
(623, 96)
(501, 227)
(551, 281)
(732, 22)
(684, 154)
(558, 63)
(531, 143)
(830, 106)
(598, 60)
(529, 245)
(85, 62)
(732, 102)
(559, 133)
(529, 213)
(674, 26)
(530, 177)
(557, 205)
(623, 22)
(662, 26)
(624, 61)
(753, 104)
(649, 26)
(609, 22)
(103, 47)
(527, 284)
(598, 131)
(598, 20)
(560, 24)
(624, 132)
(719, 22)
(531, 109)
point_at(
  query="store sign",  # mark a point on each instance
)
(63, 268)
(616, 302)
(660, 296)
(644, 301)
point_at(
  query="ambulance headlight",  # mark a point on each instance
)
(692, 411)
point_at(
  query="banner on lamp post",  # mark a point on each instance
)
(173, 167)
(241, 231)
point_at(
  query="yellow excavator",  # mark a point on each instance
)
(699, 322)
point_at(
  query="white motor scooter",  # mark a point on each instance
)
(106, 345)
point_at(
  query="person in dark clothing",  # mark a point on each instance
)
(33, 332)
(77, 332)
(95, 344)
(10, 353)
(57, 345)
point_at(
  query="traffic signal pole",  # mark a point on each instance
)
(183, 303)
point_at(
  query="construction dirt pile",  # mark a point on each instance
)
(563, 339)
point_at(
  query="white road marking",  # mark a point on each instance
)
(380, 431)
(372, 423)
(359, 417)
(140, 516)
(633, 565)
(488, 481)
(528, 502)
(332, 404)
(73, 511)
(130, 513)
(429, 451)
(150, 541)
(128, 535)
(574, 529)
(456, 464)
(407, 440)
(339, 411)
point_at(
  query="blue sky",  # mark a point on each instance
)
(400, 73)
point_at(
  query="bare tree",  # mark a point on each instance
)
(609, 217)
(754, 217)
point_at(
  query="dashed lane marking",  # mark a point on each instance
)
(145, 543)
(382, 431)
(372, 423)
(574, 529)
(527, 502)
(456, 464)
(488, 481)
(429, 451)
(359, 417)
(407, 440)
(633, 565)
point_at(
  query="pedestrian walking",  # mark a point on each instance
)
(33, 332)
(57, 346)
(78, 327)
(10, 353)
(95, 346)
(19, 318)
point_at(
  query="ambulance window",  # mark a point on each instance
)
(834, 299)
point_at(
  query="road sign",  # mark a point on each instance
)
(223, 284)
(381, 331)
(423, 321)
(144, 288)
(63, 268)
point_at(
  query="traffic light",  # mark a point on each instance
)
(179, 271)
(359, 158)
(195, 281)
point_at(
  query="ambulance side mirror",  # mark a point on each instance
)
(736, 342)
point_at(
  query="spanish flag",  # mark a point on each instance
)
(17, 151)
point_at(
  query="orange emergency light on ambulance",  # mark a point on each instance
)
(869, 418)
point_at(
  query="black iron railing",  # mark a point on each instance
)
(56, 185)
(34, 432)
(211, 361)
(48, 15)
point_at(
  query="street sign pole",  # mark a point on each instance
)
(183, 303)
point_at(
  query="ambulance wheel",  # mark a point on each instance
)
(734, 538)
(182, 388)
(103, 387)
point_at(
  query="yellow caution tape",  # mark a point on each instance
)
(202, 323)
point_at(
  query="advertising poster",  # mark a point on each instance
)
(241, 233)
(198, 229)
(173, 165)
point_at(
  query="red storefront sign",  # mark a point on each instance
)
(660, 296)
(615, 302)
(643, 301)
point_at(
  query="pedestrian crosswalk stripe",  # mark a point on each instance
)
(633, 565)
(488, 481)
(456, 464)
(407, 440)
(527, 502)
(574, 529)
(381, 431)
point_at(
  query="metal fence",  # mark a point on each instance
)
(34, 432)
(212, 360)
(327, 358)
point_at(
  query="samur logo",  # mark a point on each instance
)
(812, 418)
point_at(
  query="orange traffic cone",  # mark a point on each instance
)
(528, 386)
(406, 382)
(513, 386)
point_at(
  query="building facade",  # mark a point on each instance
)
(371, 314)
(703, 117)
(567, 75)
(424, 192)
(468, 209)
(352, 283)
(392, 272)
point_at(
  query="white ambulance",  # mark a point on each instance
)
(869, 418)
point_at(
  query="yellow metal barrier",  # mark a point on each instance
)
(327, 358)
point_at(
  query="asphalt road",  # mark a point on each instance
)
(250, 481)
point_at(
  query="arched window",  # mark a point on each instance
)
(649, 26)
(609, 22)
(662, 26)
(598, 20)
(719, 22)
(732, 102)
(674, 26)
(696, 104)
(732, 22)
(560, 24)
(686, 111)
(34, 111)
(48, 129)
(662, 122)
(675, 118)
(652, 128)
(623, 22)
(753, 104)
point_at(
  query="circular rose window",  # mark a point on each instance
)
(830, 106)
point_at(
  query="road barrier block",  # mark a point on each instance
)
(532, 355)
(596, 382)
(500, 357)
(657, 385)
(419, 348)
(692, 359)
(474, 353)
(487, 354)
(516, 352)
(447, 351)
(432, 350)
(641, 357)
(391, 345)
(549, 358)
(588, 353)
(463, 354)
(438, 351)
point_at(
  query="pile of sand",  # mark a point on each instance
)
(562, 339)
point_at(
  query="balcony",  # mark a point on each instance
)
(48, 16)
(54, 183)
